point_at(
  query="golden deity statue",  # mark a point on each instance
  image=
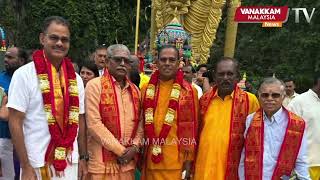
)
(200, 18)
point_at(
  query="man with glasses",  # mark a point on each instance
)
(113, 117)
(275, 144)
(223, 111)
(46, 109)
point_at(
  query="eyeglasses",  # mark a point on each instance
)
(119, 60)
(267, 95)
(56, 38)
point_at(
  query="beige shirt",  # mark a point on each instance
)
(99, 136)
(307, 106)
(288, 99)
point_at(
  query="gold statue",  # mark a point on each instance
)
(200, 18)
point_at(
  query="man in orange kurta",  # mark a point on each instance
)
(223, 113)
(114, 127)
(169, 156)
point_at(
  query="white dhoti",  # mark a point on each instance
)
(70, 173)
(6, 158)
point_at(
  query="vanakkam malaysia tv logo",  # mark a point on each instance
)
(272, 16)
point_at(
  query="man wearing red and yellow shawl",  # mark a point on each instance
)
(170, 106)
(223, 112)
(275, 145)
(46, 109)
(113, 118)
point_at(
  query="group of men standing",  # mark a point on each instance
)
(61, 131)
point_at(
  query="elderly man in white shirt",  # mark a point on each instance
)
(307, 105)
(275, 145)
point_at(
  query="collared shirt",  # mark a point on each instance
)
(99, 136)
(288, 99)
(101, 72)
(307, 106)
(5, 79)
(274, 132)
(25, 96)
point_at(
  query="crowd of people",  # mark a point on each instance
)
(107, 120)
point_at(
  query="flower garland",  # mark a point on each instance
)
(61, 140)
(150, 103)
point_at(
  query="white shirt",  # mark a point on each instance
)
(288, 99)
(25, 96)
(307, 106)
(274, 131)
(198, 88)
(101, 72)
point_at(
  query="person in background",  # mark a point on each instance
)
(208, 80)
(100, 57)
(144, 79)
(202, 68)
(307, 106)
(13, 59)
(88, 71)
(188, 75)
(75, 66)
(290, 92)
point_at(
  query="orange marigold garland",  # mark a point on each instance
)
(61, 140)
(150, 103)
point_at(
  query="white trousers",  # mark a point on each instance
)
(6, 158)
(70, 173)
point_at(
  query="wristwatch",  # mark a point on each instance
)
(84, 157)
(136, 148)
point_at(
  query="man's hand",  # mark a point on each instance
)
(4, 112)
(186, 170)
(82, 170)
(127, 156)
(28, 173)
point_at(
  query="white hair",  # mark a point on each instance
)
(272, 80)
(112, 48)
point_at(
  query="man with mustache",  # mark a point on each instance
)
(223, 112)
(275, 144)
(46, 109)
(170, 111)
(113, 118)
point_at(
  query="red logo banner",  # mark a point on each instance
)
(260, 14)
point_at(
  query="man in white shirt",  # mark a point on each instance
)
(100, 57)
(188, 74)
(290, 92)
(307, 106)
(46, 109)
(275, 144)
